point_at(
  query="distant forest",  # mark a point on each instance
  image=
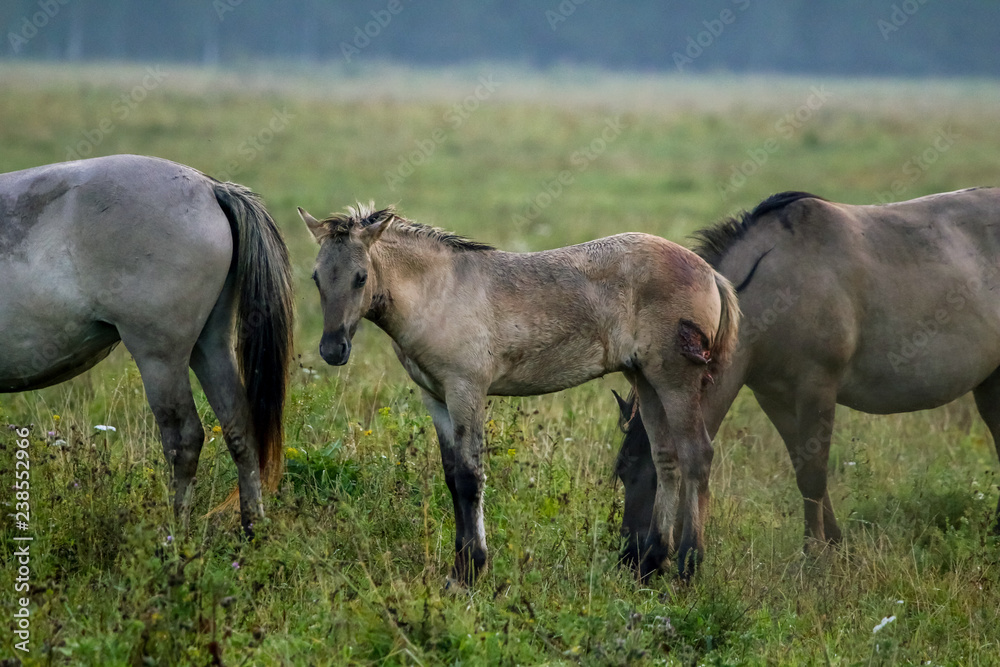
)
(851, 37)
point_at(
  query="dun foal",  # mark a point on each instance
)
(468, 321)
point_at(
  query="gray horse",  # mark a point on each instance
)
(168, 261)
(468, 321)
(884, 309)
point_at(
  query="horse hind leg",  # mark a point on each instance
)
(214, 363)
(987, 396)
(682, 455)
(168, 391)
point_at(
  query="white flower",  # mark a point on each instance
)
(102, 427)
(886, 620)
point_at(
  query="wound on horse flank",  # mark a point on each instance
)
(693, 343)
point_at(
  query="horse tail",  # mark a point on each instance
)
(264, 318)
(726, 336)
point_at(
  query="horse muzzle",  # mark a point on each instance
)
(335, 347)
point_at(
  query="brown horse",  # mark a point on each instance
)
(468, 321)
(169, 261)
(883, 309)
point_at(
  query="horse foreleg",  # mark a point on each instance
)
(806, 426)
(461, 456)
(168, 391)
(215, 365)
(987, 397)
(446, 441)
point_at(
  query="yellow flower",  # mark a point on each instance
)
(291, 452)
(368, 432)
(384, 411)
(511, 452)
(56, 418)
(216, 429)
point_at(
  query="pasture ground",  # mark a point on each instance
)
(350, 566)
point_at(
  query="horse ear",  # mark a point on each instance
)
(316, 228)
(623, 406)
(372, 232)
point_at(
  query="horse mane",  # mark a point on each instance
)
(365, 215)
(712, 242)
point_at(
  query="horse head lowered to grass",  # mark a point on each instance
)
(884, 309)
(468, 321)
(168, 261)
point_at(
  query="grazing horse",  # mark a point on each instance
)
(168, 261)
(468, 321)
(884, 309)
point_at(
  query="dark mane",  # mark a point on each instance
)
(363, 215)
(712, 242)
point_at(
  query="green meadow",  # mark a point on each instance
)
(350, 565)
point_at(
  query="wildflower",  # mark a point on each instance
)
(216, 429)
(886, 620)
(236, 566)
(511, 452)
(170, 538)
(384, 411)
(56, 418)
(368, 432)
(52, 434)
(104, 427)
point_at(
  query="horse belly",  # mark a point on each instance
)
(922, 370)
(547, 371)
(34, 357)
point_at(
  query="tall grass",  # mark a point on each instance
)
(350, 566)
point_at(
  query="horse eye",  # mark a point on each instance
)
(360, 280)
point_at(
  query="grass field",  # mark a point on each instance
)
(351, 563)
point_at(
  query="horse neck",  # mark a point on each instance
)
(405, 272)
